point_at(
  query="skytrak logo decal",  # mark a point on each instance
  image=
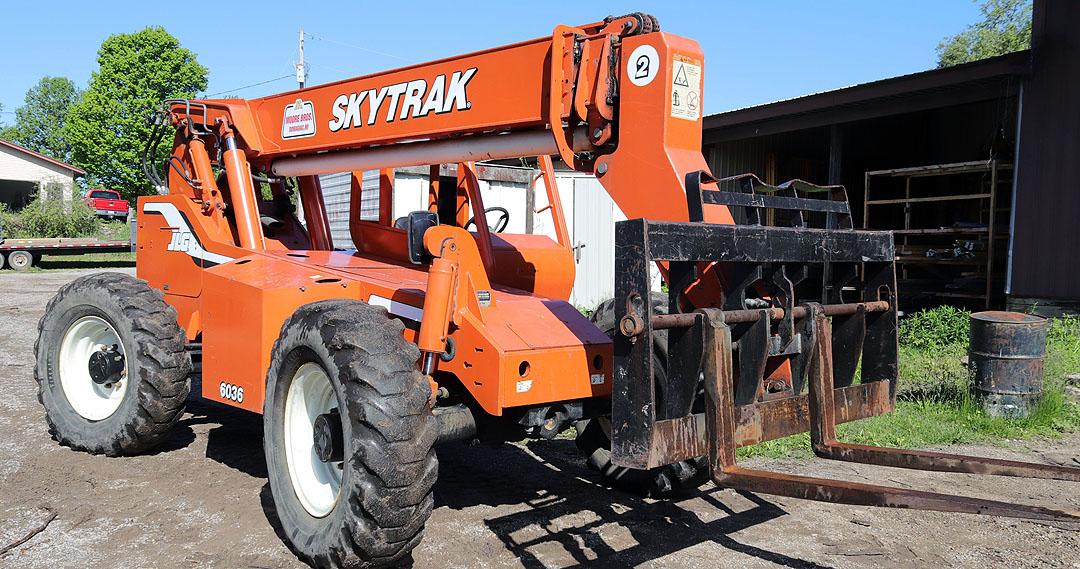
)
(402, 101)
(298, 120)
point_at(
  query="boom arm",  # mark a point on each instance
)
(615, 98)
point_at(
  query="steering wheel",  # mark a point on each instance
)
(500, 225)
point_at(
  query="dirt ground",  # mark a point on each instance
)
(203, 500)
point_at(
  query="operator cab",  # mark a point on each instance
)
(533, 263)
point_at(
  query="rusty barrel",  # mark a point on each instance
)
(1006, 354)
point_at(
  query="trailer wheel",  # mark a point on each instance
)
(111, 369)
(3, 257)
(348, 435)
(594, 435)
(20, 260)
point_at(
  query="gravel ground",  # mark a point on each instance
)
(203, 500)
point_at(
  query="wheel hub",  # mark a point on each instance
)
(329, 443)
(106, 365)
(93, 370)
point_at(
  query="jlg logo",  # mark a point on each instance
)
(402, 101)
(181, 241)
(231, 392)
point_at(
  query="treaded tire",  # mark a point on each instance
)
(594, 441)
(157, 366)
(385, 497)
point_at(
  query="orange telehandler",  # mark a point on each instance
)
(778, 317)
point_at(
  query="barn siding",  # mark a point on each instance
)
(1045, 243)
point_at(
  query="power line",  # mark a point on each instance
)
(249, 86)
(294, 75)
(333, 68)
(341, 43)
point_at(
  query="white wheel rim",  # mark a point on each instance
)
(316, 483)
(18, 261)
(89, 399)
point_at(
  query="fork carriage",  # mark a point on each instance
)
(802, 336)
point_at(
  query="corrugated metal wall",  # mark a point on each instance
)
(1045, 240)
(739, 157)
(775, 158)
(335, 189)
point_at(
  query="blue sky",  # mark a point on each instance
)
(755, 51)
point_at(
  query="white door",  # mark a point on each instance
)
(594, 243)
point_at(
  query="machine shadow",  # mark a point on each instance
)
(553, 482)
(236, 441)
(179, 437)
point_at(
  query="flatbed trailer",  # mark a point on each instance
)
(21, 254)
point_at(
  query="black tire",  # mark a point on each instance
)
(157, 366)
(20, 260)
(389, 468)
(594, 437)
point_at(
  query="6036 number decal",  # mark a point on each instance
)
(231, 392)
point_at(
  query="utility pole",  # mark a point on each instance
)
(301, 68)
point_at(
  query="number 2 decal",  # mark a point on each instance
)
(643, 65)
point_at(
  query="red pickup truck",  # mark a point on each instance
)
(107, 204)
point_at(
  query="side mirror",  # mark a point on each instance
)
(418, 223)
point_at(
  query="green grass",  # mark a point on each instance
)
(935, 406)
(113, 231)
(921, 424)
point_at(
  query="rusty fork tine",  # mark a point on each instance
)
(943, 462)
(720, 421)
(859, 494)
(823, 432)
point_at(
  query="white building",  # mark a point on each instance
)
(25, 174)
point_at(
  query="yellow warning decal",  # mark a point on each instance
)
(685, 88)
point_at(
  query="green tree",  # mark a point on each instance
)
(6, 132)
(1005, 28)
(39, 123)
(107, 127)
